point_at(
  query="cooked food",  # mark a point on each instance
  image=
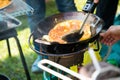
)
(62, 28)
(4, 3)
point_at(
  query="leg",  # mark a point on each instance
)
(23, 59)
(106, 10)
(33, 20)
(8, 45)
(66, 5)
(38, 14)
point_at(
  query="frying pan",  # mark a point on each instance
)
(55, 48)
(44, 26)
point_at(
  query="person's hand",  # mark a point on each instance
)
(96, 1)
(111, 36)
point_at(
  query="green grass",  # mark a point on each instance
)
(12, 67)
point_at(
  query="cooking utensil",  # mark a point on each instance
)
(43, 28)
(57, 49)
(75, 35)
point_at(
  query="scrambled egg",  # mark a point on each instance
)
(55, 34)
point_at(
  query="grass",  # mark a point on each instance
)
(12, 66)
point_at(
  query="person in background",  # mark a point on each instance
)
(111, 36)
(39, 14)
(106, 10)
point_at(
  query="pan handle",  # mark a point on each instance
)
(89, 6)
(60, 67)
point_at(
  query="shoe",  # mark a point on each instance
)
(35, 68)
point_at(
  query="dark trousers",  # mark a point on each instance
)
(106, 10)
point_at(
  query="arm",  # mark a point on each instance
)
(111, 36)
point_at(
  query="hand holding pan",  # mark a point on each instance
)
(75, 35)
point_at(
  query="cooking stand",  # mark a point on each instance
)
(16, 8)
(42, 62)
(98, 69)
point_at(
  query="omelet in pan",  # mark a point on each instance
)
(62, 28)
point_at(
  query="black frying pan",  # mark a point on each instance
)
(48, 23)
